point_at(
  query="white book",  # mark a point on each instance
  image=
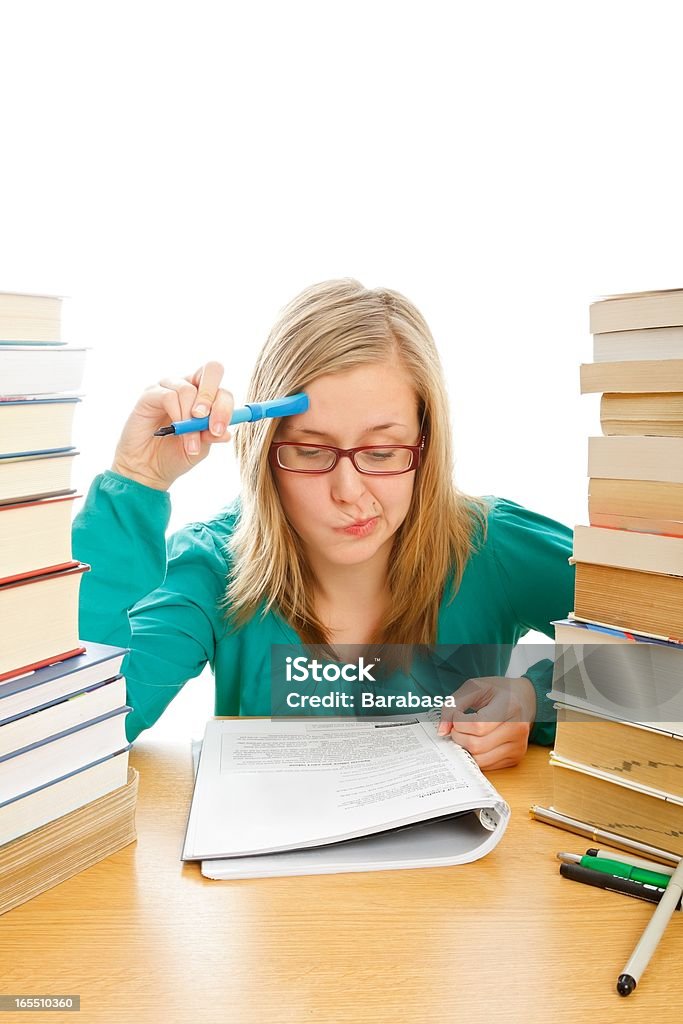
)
(46, 761)
(38, 370)
(284, 797)
(35, 726)
(651, 343)
(57, 798)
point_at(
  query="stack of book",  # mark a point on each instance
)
(39, 379)
(618, 680)
(67, 796)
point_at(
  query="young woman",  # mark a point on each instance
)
(348, 529)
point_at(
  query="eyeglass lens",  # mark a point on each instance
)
(368, 460)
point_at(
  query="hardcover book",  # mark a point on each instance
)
(35, 475)
(33, 690)
(94, 818)
(36, 423)
(35, 537)
(47, 760)
(39, 620)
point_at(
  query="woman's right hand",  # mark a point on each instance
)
(158, 461)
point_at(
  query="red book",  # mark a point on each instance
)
(35, 537)
(39, 620)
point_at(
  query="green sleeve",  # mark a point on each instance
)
(532, 553)
(159, 600)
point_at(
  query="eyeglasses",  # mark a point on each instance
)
(373, 459)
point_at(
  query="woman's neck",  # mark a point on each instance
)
(350, 592)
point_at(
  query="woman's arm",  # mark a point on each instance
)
(161, 603)
(121, 533)
(531, 553)
(534, 584)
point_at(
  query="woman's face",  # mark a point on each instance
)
(345, 517)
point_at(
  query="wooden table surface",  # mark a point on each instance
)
(143, 938)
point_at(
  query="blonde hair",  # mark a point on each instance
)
(331, 327)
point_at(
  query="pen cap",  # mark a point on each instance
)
(278, 407)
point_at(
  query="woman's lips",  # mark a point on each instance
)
(361, 528)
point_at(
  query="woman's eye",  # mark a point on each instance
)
(382, 456)
(308, 453)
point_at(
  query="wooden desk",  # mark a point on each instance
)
(143, 938)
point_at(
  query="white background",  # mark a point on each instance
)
(181, 170)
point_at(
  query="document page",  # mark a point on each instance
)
(265, 786)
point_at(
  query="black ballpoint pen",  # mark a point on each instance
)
(625, 886)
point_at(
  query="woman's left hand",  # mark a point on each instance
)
(496, 732)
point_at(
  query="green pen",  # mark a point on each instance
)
(617, 869)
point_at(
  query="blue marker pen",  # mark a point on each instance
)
(246, 414)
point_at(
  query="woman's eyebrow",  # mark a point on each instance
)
(322, 433)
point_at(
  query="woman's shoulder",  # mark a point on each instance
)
(493, 518)
(523, 544)
(507, 520)
(507, 533)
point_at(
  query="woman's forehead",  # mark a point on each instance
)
(375, 386)
(364, 399)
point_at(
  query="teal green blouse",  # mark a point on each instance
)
(162, 599)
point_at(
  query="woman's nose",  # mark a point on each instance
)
(347, 483)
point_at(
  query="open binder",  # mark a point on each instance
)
(316, 796)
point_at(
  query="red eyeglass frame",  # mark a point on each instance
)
(350, 453)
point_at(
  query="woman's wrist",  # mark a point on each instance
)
(146, 479)
(526, 695)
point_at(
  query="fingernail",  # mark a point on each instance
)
(193, 445)
(441, 729)
(218, 429)
(200, 410)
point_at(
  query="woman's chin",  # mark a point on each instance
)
(357, 552)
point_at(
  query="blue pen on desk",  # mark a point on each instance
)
(245, 414)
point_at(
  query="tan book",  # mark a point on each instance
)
(650, 506)
(652, 343)
(635, 376)
(636, 458)
(635, 311)
(643, 602)
(36, 476)
(35, 537)
(648, 816)
(39, 620)
(36, 424)
(659, 415)
(644, 552)
(645, 754)
(29, 318)
(640, 524)
(54, 852)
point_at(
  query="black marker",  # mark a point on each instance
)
(625, 886)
